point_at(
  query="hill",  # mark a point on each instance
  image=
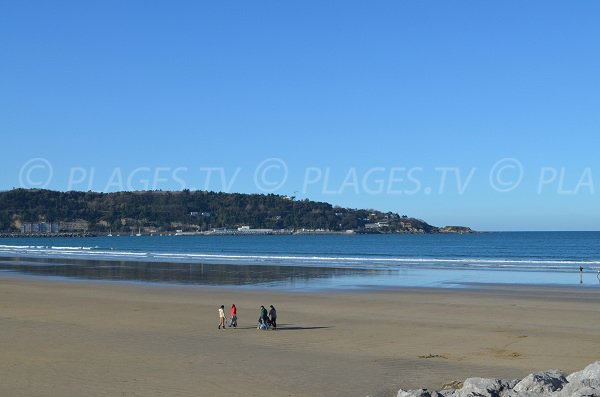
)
(165, 211)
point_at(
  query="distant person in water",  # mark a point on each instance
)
(263, 319)
(273, 317)
(233, 321)
(222, 317)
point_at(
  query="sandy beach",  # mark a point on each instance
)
(116, 339)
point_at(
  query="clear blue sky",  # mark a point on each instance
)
(361, 104)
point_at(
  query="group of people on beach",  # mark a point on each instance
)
(223, 319)
(266, 319)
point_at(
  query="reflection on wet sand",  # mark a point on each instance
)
(181, 273)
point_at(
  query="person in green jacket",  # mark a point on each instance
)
(263, 318)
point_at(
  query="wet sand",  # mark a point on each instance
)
(115, 339)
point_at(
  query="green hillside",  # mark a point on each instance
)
(191, 211)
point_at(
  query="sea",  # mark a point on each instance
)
(314, 262)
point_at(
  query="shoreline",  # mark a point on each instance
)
(476, 287)
(286, 276)
(99, 338)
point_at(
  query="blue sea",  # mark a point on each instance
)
(306, 262)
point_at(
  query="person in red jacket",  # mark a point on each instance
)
(233, 321)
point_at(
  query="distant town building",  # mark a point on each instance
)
(248, 230)
(376, 225)
(40, 227)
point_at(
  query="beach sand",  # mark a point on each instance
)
(112, 339)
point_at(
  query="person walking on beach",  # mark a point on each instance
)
(233, 321)
(263, 319)
(222, 317)
(273, 317)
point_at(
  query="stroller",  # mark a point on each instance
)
(262, 324)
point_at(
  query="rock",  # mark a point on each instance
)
(512, 383)
(512, 393)
(424, 393)
(444, 393)
(592, 371)
(586, 392)
(581, 388)
(552, 383)
(542, 382)
(509, 392)
(481, 387)
(455, 229)
(414, 393)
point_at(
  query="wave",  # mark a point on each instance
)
(97, 253)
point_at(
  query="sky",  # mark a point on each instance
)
(485, 114)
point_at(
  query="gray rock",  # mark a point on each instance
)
(542, 382)
(414, 393)
(424, 393)
(587, 392)
(512, 383)
(592, 371)
(552, 383)
(508, 390)
(585, 387)
(512, 393)
(481, 387)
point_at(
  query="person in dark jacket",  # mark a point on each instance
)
(273, 317)
(263, 318)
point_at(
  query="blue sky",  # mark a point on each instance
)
(483, 114)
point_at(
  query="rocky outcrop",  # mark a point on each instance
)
(552, 383)
(455, 229)
(542, 382)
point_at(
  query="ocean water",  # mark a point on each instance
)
(316, 261)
